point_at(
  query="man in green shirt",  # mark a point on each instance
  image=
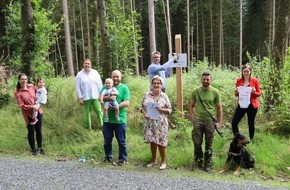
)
(205, 111)
(114, 126)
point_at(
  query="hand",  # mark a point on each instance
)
(81, 101)
(217, 125)
(36, 107)
(236, 90)
(253, 89)
(174, 58)
(191, 117)
(146, 117)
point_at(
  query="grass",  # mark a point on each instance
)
(64, 136)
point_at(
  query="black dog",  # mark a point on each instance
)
(239, 154)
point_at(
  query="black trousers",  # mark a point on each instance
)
(37, 128)
(239, 114)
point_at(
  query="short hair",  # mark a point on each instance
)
(206, 73)
(158, 78)
(155, 52)
(109, 80)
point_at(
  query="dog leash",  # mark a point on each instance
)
(220, 134)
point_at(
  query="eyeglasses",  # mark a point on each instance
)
(156, 57)
(156, 83)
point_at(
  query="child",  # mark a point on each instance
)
(112, 92)
(41, 97)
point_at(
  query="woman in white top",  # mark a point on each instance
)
(88, 86)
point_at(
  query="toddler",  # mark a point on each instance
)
(112, 92)
(41, 98)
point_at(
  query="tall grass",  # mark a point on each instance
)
(64, 135)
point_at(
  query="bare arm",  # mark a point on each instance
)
(124, 104)
(191, 111)
(219, 114)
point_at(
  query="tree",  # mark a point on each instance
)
(278, 54)
(151, 17)
(27, 33)
(105, 38)
(67, 39)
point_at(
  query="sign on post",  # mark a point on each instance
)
(181, 60)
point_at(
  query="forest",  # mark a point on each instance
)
(51, 38)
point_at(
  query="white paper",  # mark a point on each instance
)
(244, 96)
(152, 112)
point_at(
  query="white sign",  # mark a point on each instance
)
(244, 96)
(181, 60)
(152, 111)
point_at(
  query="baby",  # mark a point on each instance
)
(41, 98)
(112, 92)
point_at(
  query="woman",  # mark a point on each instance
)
(25, 96)
(156, 129)
(88, 87)
(248, 90)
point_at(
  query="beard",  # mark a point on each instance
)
(205, 84)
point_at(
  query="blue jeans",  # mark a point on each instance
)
(120, 132)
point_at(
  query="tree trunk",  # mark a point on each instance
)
(105, 38)
(203, 30)
(95, 44)
(27, 35)
(188, 34)
(67, 39)
(4, 51)
(197, 30)
(211, 33)
(82, 31)
(75, 41)
(151, 17)
(88, 30)
(278, 54)
(135, 40)
(241, 32)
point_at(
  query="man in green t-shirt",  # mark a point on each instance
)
(115, 126)
(205, 111)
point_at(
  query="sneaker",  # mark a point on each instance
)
(106, 119)
(118, 118)
(122, 162)
(198, 163)
(207, 168)
(34, 121)
(33, 152)
(41, 151)
(110, 161)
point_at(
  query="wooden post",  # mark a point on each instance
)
(179, 76)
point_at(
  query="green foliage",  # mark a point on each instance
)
(4, 98)
(64, 135)
(124, 36)
(279, 113)
(43, 38)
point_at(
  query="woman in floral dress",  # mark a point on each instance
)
(156, 121)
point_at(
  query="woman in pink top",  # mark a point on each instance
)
(25, 96)
(247, 104)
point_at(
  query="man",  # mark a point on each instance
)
(161, 70)
(114, 126)
(205, 105)
(88, 86)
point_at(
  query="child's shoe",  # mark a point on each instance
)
(34, 121)
(106, 119)
(118, 118)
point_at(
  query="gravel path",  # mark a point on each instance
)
(42, 174)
